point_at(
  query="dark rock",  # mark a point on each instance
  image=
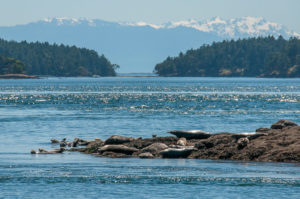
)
(262, 130)
(251, 136)
(242, 143)
(111, 154)
(193, 134)
(93, 146)
(255, 153)
(200, 145)
(282, 124)
(116, 139)
(62, 144)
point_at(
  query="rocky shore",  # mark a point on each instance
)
(18, 76)
(279, 143)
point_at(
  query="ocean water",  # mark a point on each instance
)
(34, 111)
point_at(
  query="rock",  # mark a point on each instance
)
(62, 144)
(282, 124)
(93, 146)
(193, 134)
(242, 143)
(116, 139)
(177, 152)
(279, 145)
(111, 154)
(251, 136)
(182, 142)
(242, 135)
(33, 151)
(54, 141)
(262, 130)
(146, 155)
(155, 148)
(118, 149)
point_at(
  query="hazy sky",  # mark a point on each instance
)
(286, 12)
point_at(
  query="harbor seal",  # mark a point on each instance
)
(192, 134)
(43, 151)
(177, 152)
(118, 149)
(155, 148)
(116, 139)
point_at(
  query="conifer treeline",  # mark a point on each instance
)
(57, 60)
(10, 66)
(253, 57)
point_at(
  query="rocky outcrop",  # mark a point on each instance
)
(280, 143)
(282, 124)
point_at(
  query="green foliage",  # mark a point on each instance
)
(264, 57)
(10, 66)
(57, 60)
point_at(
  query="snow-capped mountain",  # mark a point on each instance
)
(232, 28)
(138, 46)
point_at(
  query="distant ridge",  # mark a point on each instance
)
(139, 46)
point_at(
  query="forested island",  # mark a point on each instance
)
(253, 57)
(11, 65)
(38, 58)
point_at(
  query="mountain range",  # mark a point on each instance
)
(138, 46)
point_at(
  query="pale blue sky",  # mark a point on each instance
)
(286, 12)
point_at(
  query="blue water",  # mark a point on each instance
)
(34, 111)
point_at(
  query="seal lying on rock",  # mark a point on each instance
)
(181, 142)
(146, 155)
(118, 149)
(177, 152)
(116, 139)
(155, 148)
(193, 134)
(54, 141)
(79, 142)
(43, 151)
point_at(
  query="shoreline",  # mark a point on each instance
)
(279, 143)
(18, 76)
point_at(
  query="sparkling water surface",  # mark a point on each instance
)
(34, 111)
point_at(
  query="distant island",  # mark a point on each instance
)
(52, 60)
(253, 57)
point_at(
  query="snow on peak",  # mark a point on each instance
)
(231, 28)
(69, 21)
(234, 28)
(141, 23)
